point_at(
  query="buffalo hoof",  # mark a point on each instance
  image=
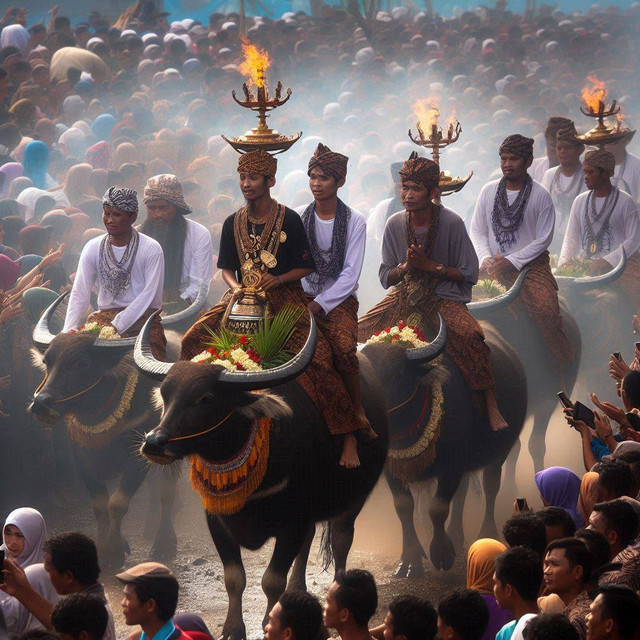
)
(415, 570)
(456, 534)
(442, 552)
(401, 570)
(164, 549)
(233, 631)
(112, 557)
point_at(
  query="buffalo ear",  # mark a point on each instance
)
(262, 405)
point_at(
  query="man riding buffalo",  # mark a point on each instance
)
(264, 244)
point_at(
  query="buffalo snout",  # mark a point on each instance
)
(155, 449)
(43, 409)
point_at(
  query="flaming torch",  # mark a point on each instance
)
(255, 65)
(431, 136)
(594, 98)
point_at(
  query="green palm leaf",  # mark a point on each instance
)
(273, 334)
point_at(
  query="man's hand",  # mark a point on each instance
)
(52, 257)
(618, 368)
(15, 579)
(484, 268)
(269, 282)
(11, 313)
(315, 308)
(500, 267)
(598, 267)
(603, 426)
(610, 410)
(418, 258)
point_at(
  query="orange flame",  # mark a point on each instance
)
(427, 113)
(451, 120)
(594, 94)
(256, 62)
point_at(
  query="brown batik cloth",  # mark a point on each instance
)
(465, 342)
(321, 382)
(629, 281)
(539, 296)
(157, 340)
(340, 328)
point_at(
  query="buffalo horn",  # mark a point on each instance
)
(144, 358)
(595, 282)
(433, 349)
(42, 335)
(500, 301)
(192, 310)
(251, 380)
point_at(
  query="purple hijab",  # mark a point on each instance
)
(11, 170)
(560, 487)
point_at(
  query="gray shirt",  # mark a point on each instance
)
(452, 247)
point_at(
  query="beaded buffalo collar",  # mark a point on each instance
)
(224, 487)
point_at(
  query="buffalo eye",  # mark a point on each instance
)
(206, 399)
(82, 363)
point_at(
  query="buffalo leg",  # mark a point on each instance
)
(342, 536)
(491, 484)
(132, 477)
(97, 489)
(441, 549)
(455, 530)
(510, 465)
(235, 579)
(165, 545)
(537, 444)
(298, 579)
(274, 579)
(412, 552)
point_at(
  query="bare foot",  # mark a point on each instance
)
(497, 422)
(349, 457)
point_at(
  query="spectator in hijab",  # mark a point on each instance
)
(10, 171)
(560, 487)
(480, 569)
(35, 161)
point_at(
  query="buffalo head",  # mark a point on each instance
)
(578, 286)
(200, 400)
(75, 364)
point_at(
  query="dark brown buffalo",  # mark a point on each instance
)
(85, 377)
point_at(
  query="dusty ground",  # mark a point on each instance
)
(376, 545)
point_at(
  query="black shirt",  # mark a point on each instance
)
(293, 253)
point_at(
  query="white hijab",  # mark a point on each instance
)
(32, 526)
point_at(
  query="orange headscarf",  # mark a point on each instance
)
(588, 495)
(481, 560)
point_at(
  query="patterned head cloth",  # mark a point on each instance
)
(166, 187)
(420, 170)
(258, 162)
(556, 123)
(517, 145)
(121, 199)
(335, 164)
(602, 159)
(568, 134)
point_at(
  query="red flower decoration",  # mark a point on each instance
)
(244, 340)
(240, 367)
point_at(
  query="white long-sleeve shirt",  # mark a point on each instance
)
(531, 239)
(145, 290)
(538, 168)
(624, 225)
(627, 176)
(197, 263)
(336, 291)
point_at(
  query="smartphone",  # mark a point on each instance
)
(616, 355)
(520, 502)
(582, 412)
(1, 566)
(564, 400)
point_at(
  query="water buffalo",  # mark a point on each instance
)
(209, 413)
(508, 317)
(603, 313)
(466, 441)
(94, 387)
